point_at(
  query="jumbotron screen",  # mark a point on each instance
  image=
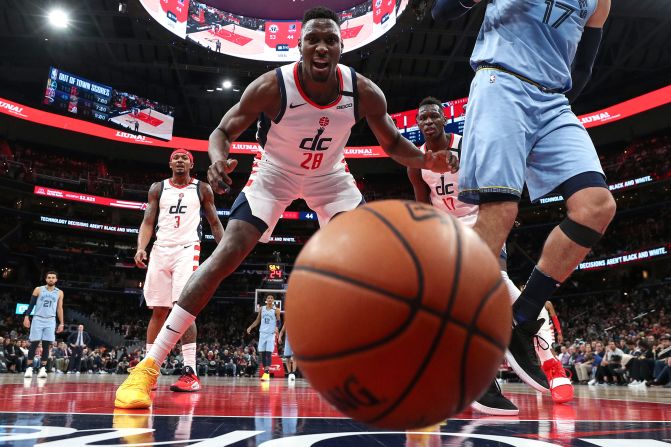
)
(267, 40)
(74, 95)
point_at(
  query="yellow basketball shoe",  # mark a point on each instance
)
(134, 391)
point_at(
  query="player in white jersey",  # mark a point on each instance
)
(441, 191)
(174, 209)
(47, 302)
(269, 318)
(307, 109)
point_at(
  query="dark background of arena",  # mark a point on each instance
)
(415, 59)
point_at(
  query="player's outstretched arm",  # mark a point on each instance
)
(373, 107)
(147, 226)
(445, 10)
(211, 211)
(261, 96)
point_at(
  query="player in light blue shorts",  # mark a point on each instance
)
(289, 355)
(530, 59)
(269, 318)
(47, 303)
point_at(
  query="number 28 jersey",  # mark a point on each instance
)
(305, 138)
(179, 221)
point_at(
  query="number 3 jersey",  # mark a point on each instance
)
(444, 193)
(305, 138)
(179, 221)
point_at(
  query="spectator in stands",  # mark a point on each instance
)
(77, 341)
(227, 366)
(640, 367)
(610, 369)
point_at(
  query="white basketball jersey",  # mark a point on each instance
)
(444, 193)
(178, 214)
(305, 138)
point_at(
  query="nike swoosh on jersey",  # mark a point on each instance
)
(293, 106)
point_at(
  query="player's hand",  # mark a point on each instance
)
(60, 328)
(441, 161)
(249, 330)
(26, 322)
(217, 175)
(140, 257)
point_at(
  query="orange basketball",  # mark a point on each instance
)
(397, 314)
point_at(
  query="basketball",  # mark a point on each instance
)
(398, 314)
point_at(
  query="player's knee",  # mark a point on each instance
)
(596, 210)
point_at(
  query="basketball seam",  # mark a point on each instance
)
(469, 337)
(439, 335)
(376, 344)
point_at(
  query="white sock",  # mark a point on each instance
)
(148, 348)
(544, 350)
(178, 321)
(189, 354)
(513, 291)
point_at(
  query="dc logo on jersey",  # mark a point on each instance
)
(273, 28)
(324, 121)
(316, 143)
(179, 208)
(181, 195)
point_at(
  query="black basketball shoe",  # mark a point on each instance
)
(521, 355)
(494, 403)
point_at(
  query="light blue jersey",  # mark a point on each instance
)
(47, 303)
(533, 38)
(268, 321)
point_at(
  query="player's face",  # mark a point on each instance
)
(320, 47)
(51, 280)
(180, 163)
(431, 121)
(270, 300)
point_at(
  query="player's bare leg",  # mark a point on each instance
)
(495, 220)
(238, 240)
(591, 207)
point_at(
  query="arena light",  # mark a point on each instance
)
(227, 84)
(58, 18)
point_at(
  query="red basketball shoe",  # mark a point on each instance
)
(560, 385)
(187, 383)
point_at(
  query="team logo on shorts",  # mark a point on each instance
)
(492, 79)
(323, 121)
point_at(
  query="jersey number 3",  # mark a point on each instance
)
(312, 160)
(177, 221)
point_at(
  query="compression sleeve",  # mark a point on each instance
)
(33, 301)
(581, 72)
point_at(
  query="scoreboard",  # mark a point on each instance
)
(276, 272)
(78, 96)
